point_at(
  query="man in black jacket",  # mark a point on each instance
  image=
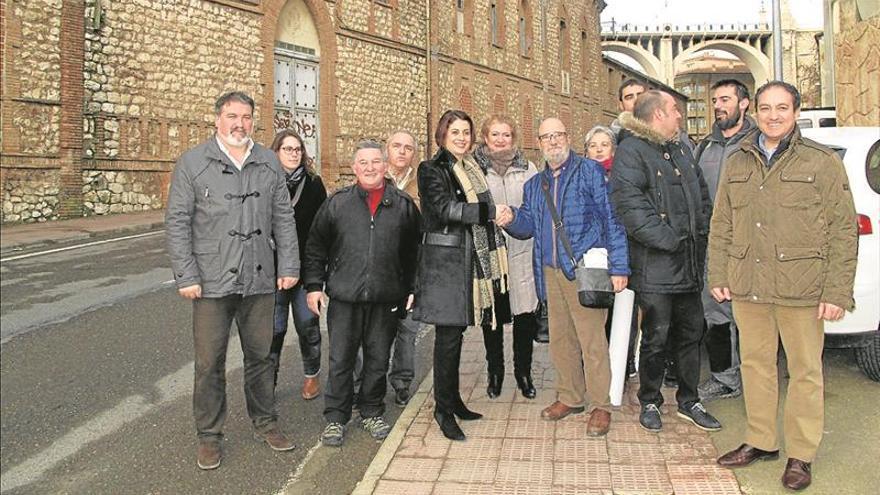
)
(362, 251)
(661, 199)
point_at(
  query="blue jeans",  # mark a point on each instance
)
(307, 328)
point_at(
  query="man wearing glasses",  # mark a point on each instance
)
(578, 348)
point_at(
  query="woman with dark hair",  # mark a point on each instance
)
(507, 170)
(307, 193)
(462, 260)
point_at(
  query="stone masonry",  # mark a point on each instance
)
(857, 68)
(95, 114)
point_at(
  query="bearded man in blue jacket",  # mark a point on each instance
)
(578, 348)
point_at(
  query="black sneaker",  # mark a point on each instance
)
(712, 389)
(649, 418)
(402, 397)
(697, 414)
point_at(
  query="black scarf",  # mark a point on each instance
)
(294, 178)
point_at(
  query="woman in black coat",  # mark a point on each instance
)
(462, 260)
(307, 193)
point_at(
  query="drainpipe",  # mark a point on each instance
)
(428, 66)
(828, 89)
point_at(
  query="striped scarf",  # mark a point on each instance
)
(490, 262)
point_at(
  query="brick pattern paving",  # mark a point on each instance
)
(513, 451)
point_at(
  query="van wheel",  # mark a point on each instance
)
(868, 358)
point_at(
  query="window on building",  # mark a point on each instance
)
(493, 23)
(565, 56)
(459, 16)
(585, 58)
(525, 28)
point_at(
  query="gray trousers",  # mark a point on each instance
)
(403, 365)
(212, 320)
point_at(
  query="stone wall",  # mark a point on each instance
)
(152, 68)
(856, 68)
(122, 192)
(30, 195)
(159, 62)
(380, 89)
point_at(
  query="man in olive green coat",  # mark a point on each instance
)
(782, 246)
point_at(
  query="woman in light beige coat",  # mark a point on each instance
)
(507, 171)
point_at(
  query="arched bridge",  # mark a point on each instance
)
(662, 50)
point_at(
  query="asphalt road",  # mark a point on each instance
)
(96, 365)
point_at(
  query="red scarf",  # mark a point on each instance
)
(606, 164)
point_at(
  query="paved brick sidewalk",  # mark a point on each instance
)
(20, 236)
(513, 451)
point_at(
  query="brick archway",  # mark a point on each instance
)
(327, 76)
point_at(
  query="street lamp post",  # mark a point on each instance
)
(777, 41)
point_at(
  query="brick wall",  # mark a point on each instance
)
(100, 98)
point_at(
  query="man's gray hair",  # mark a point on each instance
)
(603, 130)
(369, 144)
(238, 96)
(404, 131)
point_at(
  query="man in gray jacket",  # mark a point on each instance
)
(227, 206)
(731, 101)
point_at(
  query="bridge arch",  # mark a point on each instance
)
(757, 63)
(650, 63)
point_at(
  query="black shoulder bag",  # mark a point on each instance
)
(594, 284)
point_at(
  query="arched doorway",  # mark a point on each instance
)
(297, 55)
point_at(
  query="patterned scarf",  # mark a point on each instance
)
(490, 262)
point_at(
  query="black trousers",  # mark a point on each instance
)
(720, 344)
(524, 328)
(447, 356)
(665, 317)
(351, 326)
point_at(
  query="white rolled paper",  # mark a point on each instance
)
(621, 323)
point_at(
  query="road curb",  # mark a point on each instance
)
(386, 452)
(75, 235)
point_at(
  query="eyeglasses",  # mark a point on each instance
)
(291, 149)
(551, 136)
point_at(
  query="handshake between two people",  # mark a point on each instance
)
(503, 215)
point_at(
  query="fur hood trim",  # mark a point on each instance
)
(641, 129)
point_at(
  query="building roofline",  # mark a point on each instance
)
(636, 74)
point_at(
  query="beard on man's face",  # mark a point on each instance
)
(728, 123)
(556, 156)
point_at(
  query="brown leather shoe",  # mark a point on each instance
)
(209, 454)
(797, 474)
(311, 388)
(745, 454)
(276, 440)
(558, 410)
(599, 423)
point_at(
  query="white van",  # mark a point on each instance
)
(811, 118)
(859, 148)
